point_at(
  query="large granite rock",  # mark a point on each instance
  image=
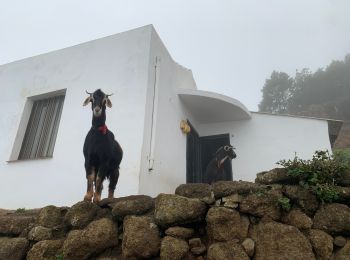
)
(298, 219)
(114, 253)
(279, 241)
(226, 188)
(227, 250)
(249, 246)
(81, 214)
(13, 248)
(14, 224)
(45, 250)
(196, 246)
(343, 253)
(172, 210)
(225, 224)
(262, 203)
(51, 216)
(39, 233)
(275, 176)
(132, 205)
(322, 243)
(302, 197)
(103, 213)
(96, 237)
(108, 202)
(339, 241)
(141, 237)
(173, 248)
(202, 191)
(232, 201)
(333, 218)
(180, 232)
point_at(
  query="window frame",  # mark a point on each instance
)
(23, 125)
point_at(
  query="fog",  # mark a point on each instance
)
(231, 46)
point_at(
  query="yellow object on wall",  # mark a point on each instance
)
(184, 126)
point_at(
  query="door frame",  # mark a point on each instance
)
(194, 156)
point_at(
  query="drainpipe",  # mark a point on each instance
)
(154, 115)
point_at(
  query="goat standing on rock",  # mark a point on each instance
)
(102, 152)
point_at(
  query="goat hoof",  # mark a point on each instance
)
(87, 198)
(97, 199)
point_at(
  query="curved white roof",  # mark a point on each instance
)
(209, 107)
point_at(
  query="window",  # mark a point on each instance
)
(41, 131)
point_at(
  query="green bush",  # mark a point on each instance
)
(326, 192)
(284, 202)
(20, 210)
(343, 156)
(320, 174)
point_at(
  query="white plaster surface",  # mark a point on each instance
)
(169, 168)
(117, 64)
(208, 107)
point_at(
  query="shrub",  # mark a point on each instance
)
(320, 174)
(343, 156)
(284, 202)
(20, 210)
(326, 192)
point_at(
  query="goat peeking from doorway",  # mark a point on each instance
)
(215, 169)
(102, 152)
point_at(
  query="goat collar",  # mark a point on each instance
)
(103, 129)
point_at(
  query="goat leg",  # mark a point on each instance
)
(90, 185)
(113, 180)
(98, 189)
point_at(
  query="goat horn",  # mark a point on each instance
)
(228, 148)
(88, 93)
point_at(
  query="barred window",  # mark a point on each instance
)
(41, 132)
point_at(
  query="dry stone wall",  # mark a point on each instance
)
(226, 220)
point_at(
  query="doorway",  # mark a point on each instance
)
(200, 151)
(209, 145)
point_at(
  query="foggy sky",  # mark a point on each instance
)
(230, 46)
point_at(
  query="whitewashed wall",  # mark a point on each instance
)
(169, 151)
(117, 64)
(265, 139)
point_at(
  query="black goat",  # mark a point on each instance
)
(215, 169)
(102, 152)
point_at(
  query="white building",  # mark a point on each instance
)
(41, 159)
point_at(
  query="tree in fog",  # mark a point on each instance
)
(325, 93)
(276, 93)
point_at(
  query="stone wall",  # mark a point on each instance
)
(226, 220)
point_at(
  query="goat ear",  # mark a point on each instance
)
(108, 102)
(87, 101)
